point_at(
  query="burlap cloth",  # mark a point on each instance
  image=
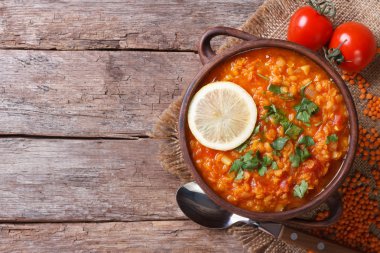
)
(271, 21)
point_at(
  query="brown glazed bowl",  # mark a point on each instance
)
(211, 60)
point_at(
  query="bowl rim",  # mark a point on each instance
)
(347, 162)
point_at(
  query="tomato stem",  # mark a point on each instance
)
(335, 55)
(324, 7)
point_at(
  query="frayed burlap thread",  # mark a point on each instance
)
(271, 21)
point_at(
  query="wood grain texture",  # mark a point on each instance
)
(84, 180)
(120, 24)
(89, 94)
(156, 236)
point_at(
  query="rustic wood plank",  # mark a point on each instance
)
(156, 236)
(92, 93)
(120, 24)
(84, 180)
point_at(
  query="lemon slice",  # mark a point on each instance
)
(222, 115)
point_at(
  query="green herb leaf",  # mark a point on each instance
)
(305, 109)
(276, 152)
(318, 124)
(275, 88)
(306, 140)
(267, 160)
(236, 165)
(239, 175)
(331, 138)
(262, 170)
(293, 131)
(279, 143)
(303, 116)
(300, 155)
(271, 109)
(300, 190)
(242, 147)
(274, 165)
(246, 162)
(263, 77)
(295, 160)
(304, 87)
(304, 154)
(256, 130)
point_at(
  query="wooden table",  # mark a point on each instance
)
(81, 85)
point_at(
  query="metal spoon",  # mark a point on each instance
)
(197, 206)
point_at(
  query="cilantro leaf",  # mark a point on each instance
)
(279, 143)
(267, 160)
(331, 138)
(303, 116)
(306, 140)
(304, 154)
(295, 160)
(263, 169)
(300, 155)
(236, 165)
(274, 165)
(293, 131)
(256, 130)
(305, 109)
(275, 88)
(300, 190)
(271, 109)
(239, 175)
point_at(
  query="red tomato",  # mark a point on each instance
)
(309, 28)
(357, 45)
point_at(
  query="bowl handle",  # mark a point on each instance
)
(205, 51)
(335, 206)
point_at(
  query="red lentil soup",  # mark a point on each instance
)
(300, 138)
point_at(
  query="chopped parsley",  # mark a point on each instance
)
(293, 131)
(299, 190)
(300, 155)
(274, 165)
(331, 138)
(275, 88)
(279, 143)
(306, 140)
(263, 169)
(250, 162)
(256, 130)
(290, 129)
(267, 160)
(305, 109)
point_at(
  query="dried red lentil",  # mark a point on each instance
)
(373, 105)
(360, 210)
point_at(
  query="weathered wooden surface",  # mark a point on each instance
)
(97, 94)
(76, 191)
(98, 24)
(84, 180)
(148, 236)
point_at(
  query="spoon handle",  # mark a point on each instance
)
(310, 242)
